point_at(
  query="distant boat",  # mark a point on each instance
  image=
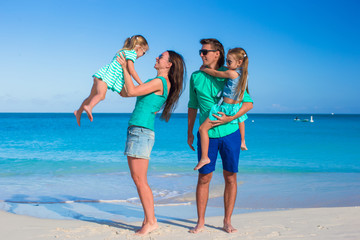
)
(296, 119)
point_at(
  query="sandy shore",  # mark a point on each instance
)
(309, 223)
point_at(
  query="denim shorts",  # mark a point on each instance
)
(139, 142)
(229, 149)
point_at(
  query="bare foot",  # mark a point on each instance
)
(78, 116)
(229, 228)
(198, 228)
(243, 146)
(147, 228)
(202, 162)
(88, 112)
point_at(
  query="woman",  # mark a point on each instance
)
(163, 91)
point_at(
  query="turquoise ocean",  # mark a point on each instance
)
(52, 168)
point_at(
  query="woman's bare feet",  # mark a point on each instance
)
(198, 228)
(229, 228)
(147, 228)
(88, 112)
(202, 162)
(78, 116)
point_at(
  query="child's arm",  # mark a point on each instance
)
(133, 73)
(220, 74)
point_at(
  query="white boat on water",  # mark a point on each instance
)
(296, 119)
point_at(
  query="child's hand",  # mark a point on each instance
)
(121, 60)
(203, 67)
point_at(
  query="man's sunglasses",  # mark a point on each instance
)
(205, 51)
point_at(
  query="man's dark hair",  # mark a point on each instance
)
(216, 45)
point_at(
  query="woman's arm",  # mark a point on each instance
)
(140, 90)
(133, 73)
(220, 74)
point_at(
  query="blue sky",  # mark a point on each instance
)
(304, 55)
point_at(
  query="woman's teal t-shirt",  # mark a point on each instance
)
(146, 107)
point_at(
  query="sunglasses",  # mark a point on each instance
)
(161, 56)
(205, 51)
(143, 50)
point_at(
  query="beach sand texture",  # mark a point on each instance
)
(307, 223)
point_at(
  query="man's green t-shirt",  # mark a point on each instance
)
(204, 89)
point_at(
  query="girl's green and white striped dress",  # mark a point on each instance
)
(112, 74)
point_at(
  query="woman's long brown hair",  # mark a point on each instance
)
(177, 73)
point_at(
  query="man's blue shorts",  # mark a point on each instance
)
(229, 149)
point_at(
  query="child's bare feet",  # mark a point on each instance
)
(202, 162)
(243, 146)
(78, 116)
(88, 112)
(147, 228)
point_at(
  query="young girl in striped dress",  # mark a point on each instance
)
(111, 76)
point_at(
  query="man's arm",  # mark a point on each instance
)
(246, 106)
(193, 106)
(192, 112)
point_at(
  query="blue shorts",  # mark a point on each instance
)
(229, 149)
(139, 142)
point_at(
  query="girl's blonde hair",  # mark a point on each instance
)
(131, 42)
(240, 54)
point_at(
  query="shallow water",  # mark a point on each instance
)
(46, 160)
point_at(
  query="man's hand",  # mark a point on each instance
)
(221, 120)
(190, 140)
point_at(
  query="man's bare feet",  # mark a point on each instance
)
(147, 228)
(229, 228)
(202, 162)
(78, 116)
(88, 112)
(198, 228)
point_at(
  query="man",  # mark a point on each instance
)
(224, 136)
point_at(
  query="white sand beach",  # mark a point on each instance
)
(307, 223)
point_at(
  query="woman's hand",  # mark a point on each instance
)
(221, 120)
(121, 60)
